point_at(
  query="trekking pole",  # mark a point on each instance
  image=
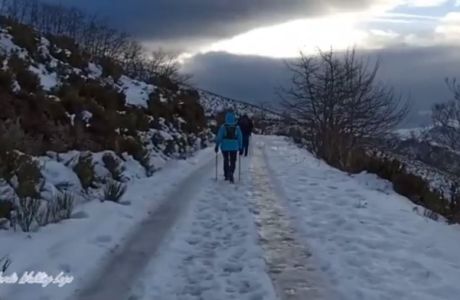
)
(239, 168)
(217, 162)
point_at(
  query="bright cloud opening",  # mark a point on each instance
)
(374, 28)
(449, 27)
(287, 40)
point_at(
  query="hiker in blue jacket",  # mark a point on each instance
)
(230, 140)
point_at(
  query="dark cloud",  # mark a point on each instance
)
(417, 73)
(248, 78)
(162, 20)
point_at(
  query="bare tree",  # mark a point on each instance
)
(166, 64)
(340, 104)
(446, 117)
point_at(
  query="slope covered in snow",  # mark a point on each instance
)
(370, 242)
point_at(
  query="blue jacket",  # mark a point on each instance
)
(227, 144)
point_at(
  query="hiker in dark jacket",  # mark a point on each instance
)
(230, 140)
(246, 128)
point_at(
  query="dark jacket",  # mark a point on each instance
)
(246, 126)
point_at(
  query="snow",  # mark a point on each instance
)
(96, 229)
(137, 92)
(59, 175)
(16, 86)
(407, 133)
(48, 80)
(368, 241)
(133, 169)
(6, 44)
(292, 226)
(72, 118)
(86, 116)
(165, 135)
(213, 252)
(94, 70)
(214, 104)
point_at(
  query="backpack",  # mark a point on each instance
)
(230, 132)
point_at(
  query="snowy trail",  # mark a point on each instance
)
(213, 240)
(293, 274)
(369, 242)
(213, 252)
(234, 242)
(121, 269)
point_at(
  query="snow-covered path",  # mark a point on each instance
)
(121, 268)
(293, 228)
(234, 243)
(369, 242)
(213, 251)
(290, 267)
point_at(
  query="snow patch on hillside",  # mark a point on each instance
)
(48, 80)
(137, 92)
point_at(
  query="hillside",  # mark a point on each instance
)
(79, 128)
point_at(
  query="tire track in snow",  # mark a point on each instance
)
(289, 264)
(123, 267)
(213, 253)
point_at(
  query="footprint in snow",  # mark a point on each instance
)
(103, 239)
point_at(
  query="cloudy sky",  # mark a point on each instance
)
(238, 47)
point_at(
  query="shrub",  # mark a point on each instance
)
(15, 63)
(58, 209)
(65, 204)
(170, 148)
(5, 262)
(71, 100)
(110, 68)
(6, 207)
(106, 96)
(113, 166)
(431, 215)
(11, 135)
(187, 106)
(24, 170)
(85, 170)
(135, 148)
(29, 178)
(75, 58)
(113, 191)
(55, 111)
(409, 185)
(27, 212)
(159, 109)
(24, 36)
(6, 80)
(454, 203)
(28, 80)
(134, 120)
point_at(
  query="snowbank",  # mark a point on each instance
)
(369, 241)
(95, 230)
